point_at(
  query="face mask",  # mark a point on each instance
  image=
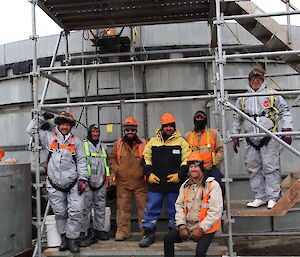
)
(200, 124)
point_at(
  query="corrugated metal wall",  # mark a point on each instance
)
(160, 80)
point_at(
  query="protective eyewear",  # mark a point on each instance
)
(130, 130)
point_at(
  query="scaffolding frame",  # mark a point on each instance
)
(220, 97)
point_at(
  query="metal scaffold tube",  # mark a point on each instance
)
(51, 65)
(220, 62)
(36, 110)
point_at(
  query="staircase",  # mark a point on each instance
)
(267, 30)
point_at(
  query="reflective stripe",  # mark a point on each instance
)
(55, 145)
(204, 206)
(120, 145)
(102, 155)
(205, 144)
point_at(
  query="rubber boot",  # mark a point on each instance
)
(148, 238)
(102, 235)
(73, 247)
(64, 243)
(88, 240)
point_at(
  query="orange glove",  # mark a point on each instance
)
(153, 179)
(173, 178)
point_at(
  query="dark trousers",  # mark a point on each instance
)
(173, 237)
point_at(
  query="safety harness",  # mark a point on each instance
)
(206, 143)
(120, 144)
(96, 155)
(71, 147)
(204, 205)
(272, 114)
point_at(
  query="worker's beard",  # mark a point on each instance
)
(130, 140)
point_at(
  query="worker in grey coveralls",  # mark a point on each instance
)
(67, 176)
(262, 153)
(95, 195)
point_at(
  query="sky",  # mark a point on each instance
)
(15, 18)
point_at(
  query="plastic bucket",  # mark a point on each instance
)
(107, 219)
(53, 238)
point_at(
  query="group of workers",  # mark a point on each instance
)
(184, 170)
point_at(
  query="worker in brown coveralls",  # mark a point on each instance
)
(126, 160)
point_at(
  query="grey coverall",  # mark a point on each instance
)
(63, 171)
(95, 195)
(262, 164)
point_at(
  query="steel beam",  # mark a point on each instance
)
(54, 79)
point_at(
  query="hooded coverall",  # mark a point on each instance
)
(130, 182)
(164, 158)
(64, 170)
(262, 162)
(95, 195)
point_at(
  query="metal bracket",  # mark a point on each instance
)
(227, 180)
(37, 185)
(33, 37)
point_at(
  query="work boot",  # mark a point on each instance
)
(120, 236)
(148, 238)
(64, 243)
(73, 247)
(88, 240)
(102, 235)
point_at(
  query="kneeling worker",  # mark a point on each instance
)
(198, 209)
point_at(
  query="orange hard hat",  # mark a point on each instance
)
(167, 118)
(130, 121)
(2, 153)
(200, 157)
(65, 117)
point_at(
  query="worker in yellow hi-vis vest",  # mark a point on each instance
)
(262, 153)
(127, 162)
(95, 195)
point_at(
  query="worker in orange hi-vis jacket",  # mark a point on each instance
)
(126, 161)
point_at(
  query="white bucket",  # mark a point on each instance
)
(53, 238)
(107, 219)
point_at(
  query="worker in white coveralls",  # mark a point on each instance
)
(67, 176)
(262, 153)
(95, 195)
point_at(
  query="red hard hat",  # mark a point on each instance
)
(130, 121)
(167, 118)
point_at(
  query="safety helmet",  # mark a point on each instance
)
(130, 121)
(167, 118)
(258, 73)
(65, 117)
(202, 159)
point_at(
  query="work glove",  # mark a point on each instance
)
(235, 144)
(173, 178)
(197, 233)
(46, 126)
(48, 115)
(184, 232)
(153, 179)
(287, 139)
(81, 186)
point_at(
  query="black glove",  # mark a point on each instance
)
(48, 115)
(46, 126)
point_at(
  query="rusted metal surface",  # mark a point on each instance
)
(82, 14)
